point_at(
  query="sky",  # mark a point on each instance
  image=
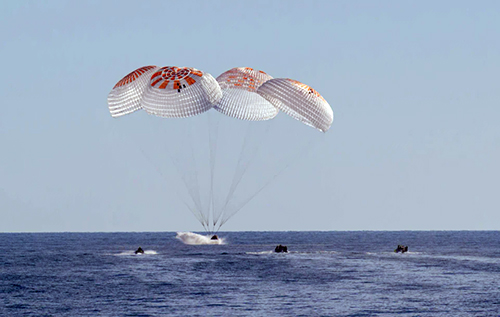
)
(415, 143)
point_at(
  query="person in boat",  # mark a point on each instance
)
(281, 248)
(401, 248)
(214, 237)
(139, 251)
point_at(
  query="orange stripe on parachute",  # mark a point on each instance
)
(196, 72)
(156, 81)
(190, 80)
(133, 76)
(163, 84)
(306, 87)
(156, 74)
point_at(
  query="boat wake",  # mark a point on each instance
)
(129, 253)
(197, 239)
(292, 252)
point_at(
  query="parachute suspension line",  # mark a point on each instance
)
(148, 158)
(243, 204)
(196, 215)
(192, 195)
(299, 154)
(241, 166)
(189, 184)
(232, 188)
(196, 184)
(239, 170)
(212, 138)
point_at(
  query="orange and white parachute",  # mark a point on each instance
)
(242, 93)
(298, 101)
(126, 95)
(239, 95)
(170, 92)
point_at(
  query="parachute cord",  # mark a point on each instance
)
(241, 168)
(238, 174)
(164, 177)
(212, 138)
(196, 215)
(196, 182)
(190, 187)
(225, 219)
(192, 195)
(237, 177)
(298, 155)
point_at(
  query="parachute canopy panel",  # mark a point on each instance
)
(179, 92)
(298, 101)
(239, 95)
(126, 95)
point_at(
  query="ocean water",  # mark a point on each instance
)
(444, 273)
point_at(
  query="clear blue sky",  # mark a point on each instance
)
(415, 143)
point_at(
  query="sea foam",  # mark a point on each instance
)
(197, 239)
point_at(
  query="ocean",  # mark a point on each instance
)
(357, 273)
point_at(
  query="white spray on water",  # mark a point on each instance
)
(197, 239)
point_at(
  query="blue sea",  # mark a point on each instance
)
(445, 273)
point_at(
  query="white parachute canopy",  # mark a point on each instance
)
(169, 92)
(126, 95)
(298, 101)
(239, 95)
(180, 92)
(223, 163)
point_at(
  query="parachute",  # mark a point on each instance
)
(242, 93)
(169, 92)
(298, 101)
(126, 96)
(239, 95)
